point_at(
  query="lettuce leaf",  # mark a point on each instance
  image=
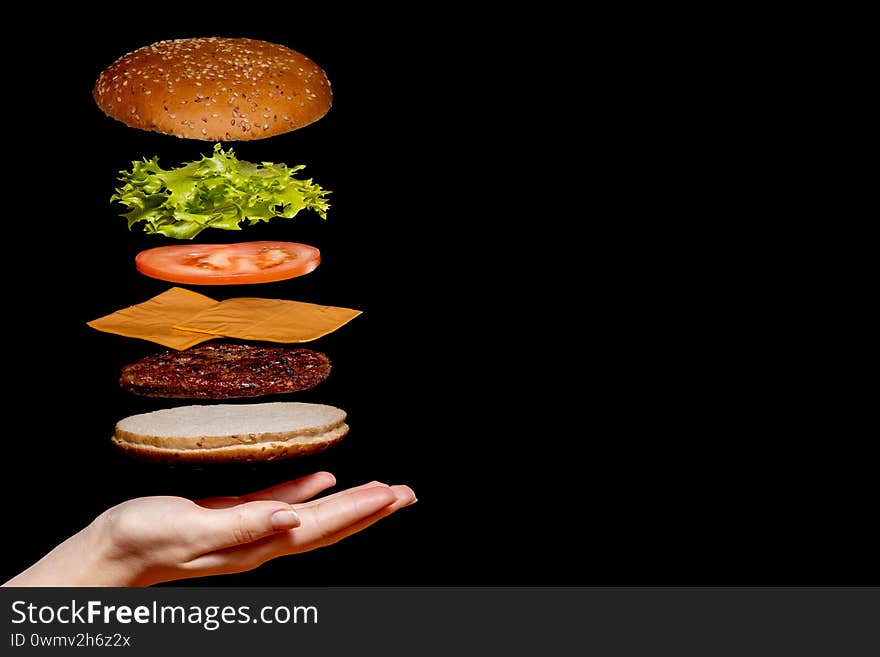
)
(214, 192)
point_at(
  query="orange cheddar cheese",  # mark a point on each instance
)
(269, 320)
(154, 319)
(181, 319)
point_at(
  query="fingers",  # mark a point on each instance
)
(324, 522)
(324, 518)
(341, 493)
(215, 529)
(298, 490)
(405, 497)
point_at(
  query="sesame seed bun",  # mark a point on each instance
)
(214, 89)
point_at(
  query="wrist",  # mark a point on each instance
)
(100, 561)
(108, 562)
(87, 558)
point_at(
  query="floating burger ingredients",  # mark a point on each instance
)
(231, 432)
(215, 192)
(181, 319)
(215, 89)
(228, 264)
(224, 371)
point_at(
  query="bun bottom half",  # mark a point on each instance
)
(276, 449)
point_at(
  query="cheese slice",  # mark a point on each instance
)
(154, 319)
(269, 320)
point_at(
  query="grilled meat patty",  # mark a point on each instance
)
(223, 371)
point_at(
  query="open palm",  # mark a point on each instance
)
(156, 539)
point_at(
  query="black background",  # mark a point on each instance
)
(560, 367)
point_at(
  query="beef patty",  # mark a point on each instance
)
(222, 371)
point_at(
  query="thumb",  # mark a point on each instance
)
(244, 523)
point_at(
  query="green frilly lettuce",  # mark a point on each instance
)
(214, 192)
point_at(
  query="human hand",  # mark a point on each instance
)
(158, 539)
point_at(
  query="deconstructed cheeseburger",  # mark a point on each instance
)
(215, 89)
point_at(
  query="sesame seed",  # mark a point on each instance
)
(173, 116)
(204, 131)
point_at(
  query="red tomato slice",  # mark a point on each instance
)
(228, 264)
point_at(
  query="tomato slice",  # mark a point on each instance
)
(228, 264)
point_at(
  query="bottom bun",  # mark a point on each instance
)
(275, 450)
